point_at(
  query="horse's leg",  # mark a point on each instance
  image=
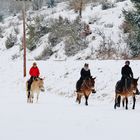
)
(126, 99)
(134, 101)
(116, 101)
(86, 97)
(80, 96)
(78, 99)
(28, 97)
(123, 101)
(37, 97)
(31, 97)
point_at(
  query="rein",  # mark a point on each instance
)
(86, 85)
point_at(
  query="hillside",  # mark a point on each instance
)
(107, 40)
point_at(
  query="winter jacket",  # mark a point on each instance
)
(34, 72)
(127, 72)
(85, 74)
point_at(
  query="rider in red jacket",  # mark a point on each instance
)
(34, 73)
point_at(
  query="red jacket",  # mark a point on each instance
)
(34, 71)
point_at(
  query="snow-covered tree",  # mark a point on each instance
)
(132, 18)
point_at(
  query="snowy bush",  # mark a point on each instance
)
(94, 19)
(132, 18)
(37, 4)
(11, 40)
(1, 18)
(72, 46)
(35, 31)
(16, 29)
(1, 31)
(69, 32)
(120, 0)
(45, 54)
(106, 5)
(51, 3)
(106, 49)
(126, 27)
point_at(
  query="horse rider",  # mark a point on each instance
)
(34, 73)
(127, 75)
(85, 73)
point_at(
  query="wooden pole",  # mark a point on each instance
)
(24, 36)
(80, 10)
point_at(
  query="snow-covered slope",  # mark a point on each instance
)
(107, 22)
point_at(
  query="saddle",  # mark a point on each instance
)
(124, 83)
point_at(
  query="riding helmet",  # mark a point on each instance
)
(34, 64)
(86, 65)
(127, 62)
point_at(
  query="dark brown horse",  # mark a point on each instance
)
(125, 93)
(86, 89)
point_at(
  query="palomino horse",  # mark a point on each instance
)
(86, 89)
(125, 93)
(36, 86)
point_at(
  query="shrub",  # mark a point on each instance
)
(106, 5)
(1, 36)
(69, 32)
(120, 0)
(1, 18)
(46, 53)
(11, 40)
(36, 31)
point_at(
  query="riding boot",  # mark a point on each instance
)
(93, 91)
(137, 92)
(30, 82)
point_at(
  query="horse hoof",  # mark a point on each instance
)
(118, 105)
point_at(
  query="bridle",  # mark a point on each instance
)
(87, 85)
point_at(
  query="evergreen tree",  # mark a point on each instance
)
(133, 19)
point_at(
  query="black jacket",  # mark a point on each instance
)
(85, 74)
(127, 72)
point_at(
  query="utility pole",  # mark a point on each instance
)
(80, 8)
(24, 34)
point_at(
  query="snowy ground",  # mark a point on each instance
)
(56, 115)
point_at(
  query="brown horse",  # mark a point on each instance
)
(125, 93)
(36, 86)
(86, 89)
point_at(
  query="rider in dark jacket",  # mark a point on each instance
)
(127, 75)
(127, 71)
(85, 73)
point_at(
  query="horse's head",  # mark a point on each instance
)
(135, 83)
(93, 82)
(90, 82)
(41, 84)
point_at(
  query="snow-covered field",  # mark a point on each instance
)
(57, 115)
